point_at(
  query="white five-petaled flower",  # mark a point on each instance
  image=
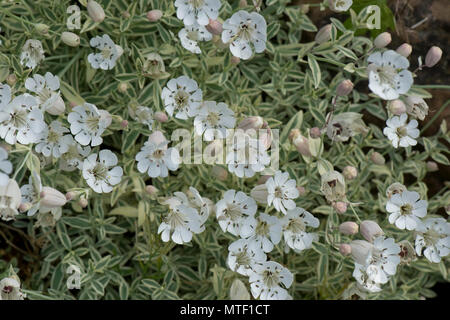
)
(182, 97)
(242, 257)
(197, 11)
(213, 119)
(5, 167)
(270, 280)
(294, 229)
(191, 35)
(106, 59)
(87, 123)
(10, 289)
(383, 259)
(10, 197)
(100, 171)
(281, 191)
(267, 232)
(245, 32)
(363, 279)
(406, 210)
(21, 120)
(388, 74)
(74, 157)
(434, 235)
(54, 141)
(193, 199)
(236, 213)
(400, 133)
(32, 53)
(46, 89)
(31, 193)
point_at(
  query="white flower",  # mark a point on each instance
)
(182, 97)
(98, 174)
(108, 56)
(294, 229)
(213, 117)
(87, 123)
(245, 32)
(31, 193)
(20, 120)
(267, 232)
(364, 281)
(406, 210)
(10, 197)
(281, 191)
(53, 141)
(46, 89)
(74, 157)
(400, 133)
(10, 289)
(32, 53)
(340, 5)
(197, 11)
(434, 235)
(144, 115)
(388, 74)
(5, 167)
(383, 259)
(156, 158)
(270, 280)
(236, 213)
(242, 257)
(191, 35)
(193, 199)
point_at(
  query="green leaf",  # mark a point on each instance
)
(315, 70)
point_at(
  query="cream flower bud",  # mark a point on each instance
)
(382, 40)
(219, 173)
(154, 15)
(324, 34)
(416, 107)
(238, 291)
(315, 132)
(157, 137)
(348, 228)
(396, 107)
(432, 166)
(122, 87)
(377, 158)
(345, 249)
(161, 116)
(344, 88)
(214, 27)
(433, 56)
(395, 188)
(370, 230)
(52, 198)
(42, 28)
(301, 143)
(253, 122)
(95, 11)
(405, 50)
(83, 202)
(70, 38)
(350, 172)
(260, 193)
(340, 206)
(301, 191)
(360, 250)
(57, 108)
(235, 60)
(151, 190)
(11, 79)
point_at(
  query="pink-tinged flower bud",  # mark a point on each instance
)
(242, 3)
(154, 15)
(301, 191)
(151, 190)
(58, 107)
(122, 87)
(397, 107)
(161, 116)
(348, 228)
(350, 172)
(70, 38)
(360, 250)
(340, 207)
(24, 207)
(260, 193)
(324, 34)
(370, 230)
(83, 202)
(70, 195)
(52, 198)
(301, 144)
(11, 79)
(253, 122)
(377, 158)
(126, 14)
(344, 88)
(433, 56)
(235, 60)
(214, 26)
(405, 50)
(95, 11)
(219, 173)
(157, 137)
(315, 132)
(124, 124)
(345, 249)
(73, 104)
(432, 166)
(382, 40)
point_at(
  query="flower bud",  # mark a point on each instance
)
(238, 291)
(124, 124)
(24, 207)
(377, 158)
(70, 195)
(235, 60)
(395, 188)
(340, 207)
(161, 116)
(416, 107)
(122, 87)
(253, 122)
(350, 172)
(301, 191)
(219, 173)
(154, 15)
(263, 179)
(57, 108)
(242, 3)
(304, 8)
(260, 193)
(315, 132)
(214, 27)
(11, 79)
(52, 198)
(382, 40)
(345, 249)
(324, 34)
(42, 28)
(157, 137)
(301, 143)
(396, 107)
(405, 50)
(83, 202)
(151, 190)
(360, 250)
(70, 38)
(126, 14)
(348, 228)
(433, 56)
(95, 11)
(432, 166)
(370, 230)
(344, 88)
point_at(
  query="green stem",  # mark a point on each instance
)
(354, 212)
(67, 66)
(436, 115)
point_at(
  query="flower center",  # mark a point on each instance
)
(8, 289)
(106, 53)
(19, 118)
(279, 192)
(296, 225)
(262, 228)
(45, 94)
(401, 131)
(92, 123)
(339, 3)
(387, 75)
(271, 279)
(181, 99)
(242, 258)
(405, 209)
(246, 30)
(233, 211)
(176, 219)
(432, 237)
(158, 154)
(53, 136)
(99, 172)
(213, 118)
(197, 3)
